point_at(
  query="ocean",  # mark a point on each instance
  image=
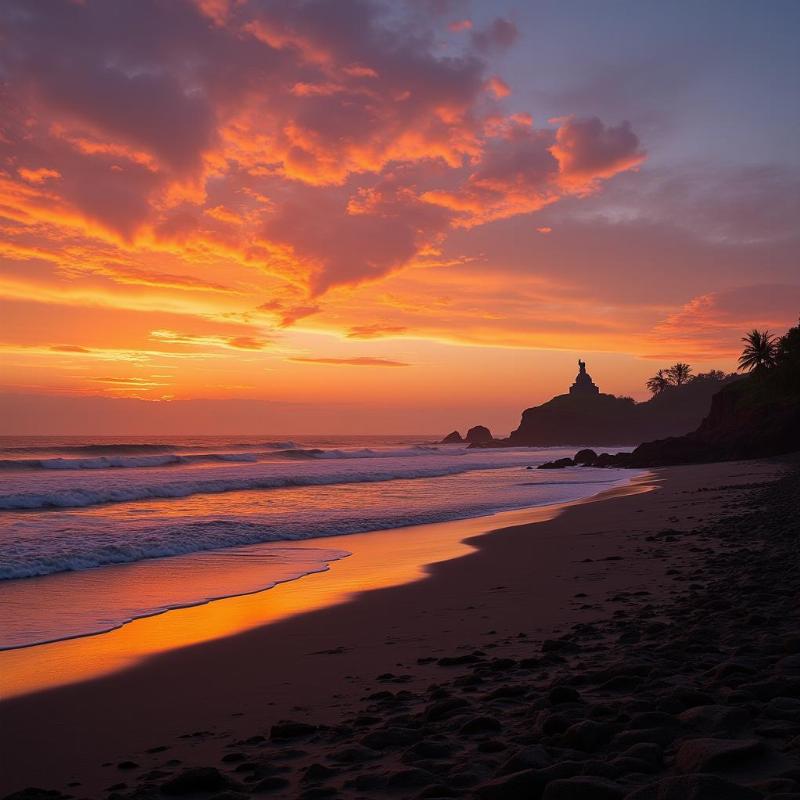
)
(95, 532)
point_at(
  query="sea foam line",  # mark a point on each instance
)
(80, 498)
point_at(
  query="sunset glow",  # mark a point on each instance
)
(351, 210)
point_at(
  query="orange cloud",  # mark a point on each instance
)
(68, 348)
(364, 361)
(524, 169)
(200, 340)
(460, 25)
(711, 325)
(39, 175)
(498, 86)
(319, 156)
(588, 151)
(374, 331)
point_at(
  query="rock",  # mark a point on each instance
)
(479, 435)
(271, 784)
(35, 793)
(528, 783)
(649, 752)
(582, 787)
(390, 737)
(452, 438)
(694, 787)
(428, 749)
(586, 735)
(558, 646)
(442, 709)
(319, 772)
(563, 694)
(587, 416)
(313, 793)
(478, 725)
(532, 757)
(677, 700)
(288, 729)
(557, 464)
(519, 786)
(702, 755)
(457, 661)
(787, 708)
(197, 780)
(354, 754)
(715, 719)
(628, 766)
(492, 746)
(585, 457)
(410, 778)
(368, 781)
(438, 790)
(660, 736)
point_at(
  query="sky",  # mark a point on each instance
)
(360, 216)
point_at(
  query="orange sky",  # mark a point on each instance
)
(373, 220)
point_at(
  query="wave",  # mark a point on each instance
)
(72, 554)
(121, 448)
(176, 459)
(122, 462)
(161, 542)
(82, 497)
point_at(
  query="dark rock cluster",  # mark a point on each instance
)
(589, 458)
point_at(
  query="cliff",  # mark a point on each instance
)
(754, 417)
(604, 419)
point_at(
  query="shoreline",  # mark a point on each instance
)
(320, 658)
(63, 660)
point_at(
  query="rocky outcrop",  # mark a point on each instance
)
(559, 463)
(754, 417)
(452, 438)
(744, 422)
(479, 435)
(606, 420)
(585, 457)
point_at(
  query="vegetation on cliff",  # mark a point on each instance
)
(758, 415)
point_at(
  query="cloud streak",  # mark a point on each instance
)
(360, 361)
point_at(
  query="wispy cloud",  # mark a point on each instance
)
(362, 361)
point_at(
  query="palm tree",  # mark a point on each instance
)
(679, 373)
(759, 351)
(658, 382)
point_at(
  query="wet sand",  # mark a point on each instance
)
(505, 601)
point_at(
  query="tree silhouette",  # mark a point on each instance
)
(678, 374)
(760, 350)
(658, 382)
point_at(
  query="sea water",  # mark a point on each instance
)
(96, 532)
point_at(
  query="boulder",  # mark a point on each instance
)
(289, 729)
(715, 719)
(559, 463)
(694, 787)
(706, 755)
(197, 780)
(582, 787)
(452, 438)
(585, 457)
(479, 435)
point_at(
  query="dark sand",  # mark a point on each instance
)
(631, 640)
